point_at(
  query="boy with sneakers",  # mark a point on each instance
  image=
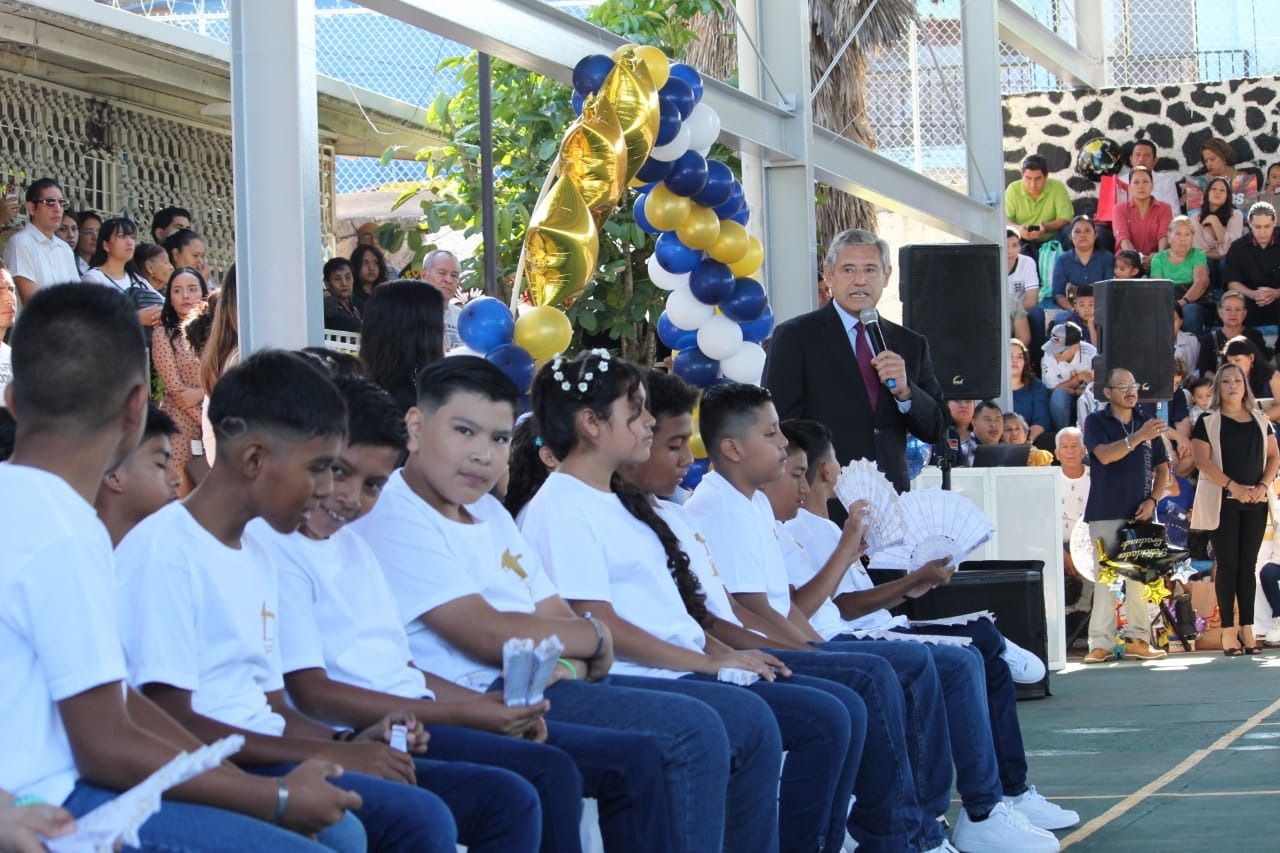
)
(346, 655)
(73, 736)
(205, 644)
(144, 482)
(748, 449)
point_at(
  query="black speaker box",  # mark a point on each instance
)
(953, 295)
(1136, 326)
(1011, 589)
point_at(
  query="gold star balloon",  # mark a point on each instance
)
(635, 99)
(561, 245)
(593, 156)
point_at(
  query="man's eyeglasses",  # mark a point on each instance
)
(60, 203)
(1132, 387)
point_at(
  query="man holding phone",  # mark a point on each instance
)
(1037, 205)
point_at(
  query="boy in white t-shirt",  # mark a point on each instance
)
(748, 450)
(347, 659)
(73, 735)
(144, 482)
(204, 645)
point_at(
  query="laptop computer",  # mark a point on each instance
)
(1001, 455)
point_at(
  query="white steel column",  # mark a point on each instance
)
(749, 81)
(791, 225)
(277, 173)
(1091, 26)
(984, 130)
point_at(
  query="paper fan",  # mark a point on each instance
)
(860, 480)
(938, 524)
(1083, 550)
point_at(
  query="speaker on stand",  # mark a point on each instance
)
(1136, 325)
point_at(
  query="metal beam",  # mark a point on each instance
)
(1020, 30)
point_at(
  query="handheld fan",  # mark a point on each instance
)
(1083, 551)
(860, 480)
(938, 524)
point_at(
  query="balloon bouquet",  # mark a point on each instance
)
(640, 124)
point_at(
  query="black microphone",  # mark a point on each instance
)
(870, 319)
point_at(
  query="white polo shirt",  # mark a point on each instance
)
(44, 260)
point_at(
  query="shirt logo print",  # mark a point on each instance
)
(511, 562)
(715, 571)
(268, 629)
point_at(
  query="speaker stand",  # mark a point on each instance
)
(943, 452)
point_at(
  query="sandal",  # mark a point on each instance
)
(1252, 650)
(1233, 653)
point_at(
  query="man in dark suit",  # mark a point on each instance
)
(821, 365)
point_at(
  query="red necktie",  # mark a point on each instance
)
(871, 379)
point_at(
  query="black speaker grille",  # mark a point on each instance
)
(1137, 334)
(951, 294)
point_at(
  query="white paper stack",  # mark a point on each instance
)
(952, 621)
(527, 668)
(740, 677)
(931, 639)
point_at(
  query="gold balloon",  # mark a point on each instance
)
(594, 156)
(543, 332)
(700, 229)
(656, 62)
(732, 244)
(664, 209)
(560, 246)
(635, 99)
(751, 261)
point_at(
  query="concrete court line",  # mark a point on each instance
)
(1174, 772)
(1169, 794)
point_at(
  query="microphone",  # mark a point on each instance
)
(870, 319)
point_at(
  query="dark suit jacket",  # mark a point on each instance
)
(813, 373)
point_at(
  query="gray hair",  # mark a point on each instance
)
(1014, 416)
(856, 237)
(1067, 432)
(436, 254)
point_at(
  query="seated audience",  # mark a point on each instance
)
(1030, 395)
(178, 366)
(1231, 312)
(1271, 192)
(1269, 581)
(1264, 380)
(36, 257)
(169, 220)
(68, 230)
(1082, 313)
(1218, 159)
(1037, 204)
(1142, 223)
(186, 249)
(340, 311)
(90, 224)
(440, 269)
(1218, 224)
(144, 483)
(1186, 346)
(403, 332)
(1188, 269)
(1143, 154)
(1253, 266)
(1073, 485)
(988, 423)
(369, 267)
(1067, 370)
(1084, 263)
(1127, 265)
(112, 266)
(1015, 432)
(1201, 391)
(1024, 289)
(150, 261)
(960, 440)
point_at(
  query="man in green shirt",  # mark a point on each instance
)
(1037, 204)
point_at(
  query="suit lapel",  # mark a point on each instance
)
(843, 360)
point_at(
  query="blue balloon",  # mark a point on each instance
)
(485, 323)
(515, 362)
(757, 330)
(673, 336)
(918, 453)
(675, 256)
(669, 122)
(679, 94)
(637, 210)
(645, 189)
(696, 472)
(589, 73)
(711, 282)
(680, 71)
(747, 301)
(695, 367)
(653, 170)
(576, 101)
(740, 217)
(719, 186)
(736, 201)
(688, 174)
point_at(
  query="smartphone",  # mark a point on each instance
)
(1033, 227)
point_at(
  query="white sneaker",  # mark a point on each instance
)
(944, 847)
(1004, 831)
(1273, 636)
(1032, 805)
(1026, 667)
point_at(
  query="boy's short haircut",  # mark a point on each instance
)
(277, 390)
(7, 430)
(1197, 383)
(1130, 257)
(727, 411)
(164, 217)
(373, 418)
(440, 380)
(38, 186)
(336, 365)
(78, 350)
(1083, 290)
(812, 437)
(669, 395)
(158, 423)
(983, 405)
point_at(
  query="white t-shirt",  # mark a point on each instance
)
(802, 568)
(1024, 277)
(451, 337)
(338, 614)
(1075, 493)
(820, 536)
(1056, 372)
(701, 561)
(1186, 346)
(595, 550)
(6, 368)
(429, 561)
(207, 618)
(43, 260)
(743, 539)
(58, 632)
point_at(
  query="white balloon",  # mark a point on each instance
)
(686, 311)
(664, 279)
(674, 149)
(463, 349)
(719, 337)
(745, 365)
(705, 152)
(704, 126)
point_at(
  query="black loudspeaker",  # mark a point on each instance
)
(953, 295)
(1011, 589)
(1136, 325)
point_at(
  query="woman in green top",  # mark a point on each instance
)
(1188, 269)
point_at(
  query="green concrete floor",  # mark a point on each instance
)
(1181, 754)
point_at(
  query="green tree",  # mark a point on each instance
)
(530, 116)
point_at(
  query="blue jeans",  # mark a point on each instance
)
(1194, 317)
(1062, 408)
(755, 755)
(1035, 319)
(887, 815)
(690, 739)
(1269, 580)
(396, 816)
(180, 827)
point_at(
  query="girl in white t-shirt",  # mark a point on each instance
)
(111, 266)
(611, 554)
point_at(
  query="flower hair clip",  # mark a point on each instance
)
(557, 372)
